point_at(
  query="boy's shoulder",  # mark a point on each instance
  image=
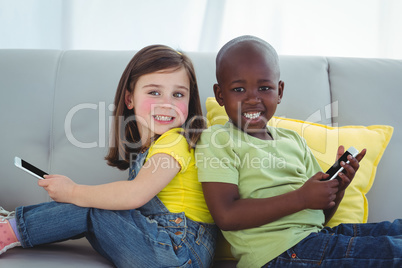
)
(226, 128)
(290, 135)
(284, 131)
(219, 133)
(229, 131)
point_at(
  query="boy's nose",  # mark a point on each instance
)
(253, 97)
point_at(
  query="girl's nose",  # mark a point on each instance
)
(166, 100)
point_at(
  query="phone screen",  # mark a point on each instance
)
(33, 169)
(335, 167)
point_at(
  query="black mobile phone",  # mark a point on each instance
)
(336, 168)
(29, 168)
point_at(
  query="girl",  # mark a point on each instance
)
(158, 218)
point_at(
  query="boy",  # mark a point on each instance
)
(275, 215)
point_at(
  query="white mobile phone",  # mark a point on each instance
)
(336, 168)
(31, 169)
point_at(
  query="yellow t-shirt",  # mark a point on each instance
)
(184, 192)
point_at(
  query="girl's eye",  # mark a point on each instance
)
(238, 89)
(264, 88)
(178, 95)
(154, 93)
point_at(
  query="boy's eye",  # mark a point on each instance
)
(264, 88)
(178, 95)
(238, 89)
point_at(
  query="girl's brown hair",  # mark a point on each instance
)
(125, 141)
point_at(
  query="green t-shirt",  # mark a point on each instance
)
(260, 169)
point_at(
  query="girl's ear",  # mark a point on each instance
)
(128, 99)
(218, 94)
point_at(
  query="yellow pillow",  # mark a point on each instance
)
(324, 142)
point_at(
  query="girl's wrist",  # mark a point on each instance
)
(74, 195)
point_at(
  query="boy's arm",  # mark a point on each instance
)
(230, 212)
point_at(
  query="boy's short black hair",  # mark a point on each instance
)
(247, 38)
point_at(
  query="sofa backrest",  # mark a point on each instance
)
(55, 111)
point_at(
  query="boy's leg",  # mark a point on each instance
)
(385, 228)
(348, 245)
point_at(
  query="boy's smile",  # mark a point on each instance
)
(249, 88)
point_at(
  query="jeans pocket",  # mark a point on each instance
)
(188, 263)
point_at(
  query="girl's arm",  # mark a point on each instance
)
(119, 195)
(230, 212)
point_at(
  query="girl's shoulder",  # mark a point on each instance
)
(173, 143)
(171, 138)
(174, 132)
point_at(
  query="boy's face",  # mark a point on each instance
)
(249, 88)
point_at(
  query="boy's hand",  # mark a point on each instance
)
(349, 172)
(60, 188)
(318, 194)
(344, 178)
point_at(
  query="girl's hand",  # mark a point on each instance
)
(317, 194)
(60, 188)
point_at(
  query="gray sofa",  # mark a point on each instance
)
(55, 113)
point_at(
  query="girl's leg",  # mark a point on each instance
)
(126, 238)
(50, 222)
(348, 245)
(9, 237)
(166, 240)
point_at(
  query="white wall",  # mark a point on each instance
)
(356, 28)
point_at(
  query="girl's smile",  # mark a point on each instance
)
(160, 102)
(163, 118)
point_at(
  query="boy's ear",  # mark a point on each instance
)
(128, 99)
(218, 94)
(281, 88)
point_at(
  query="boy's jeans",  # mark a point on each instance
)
(150, 236)
(347, 245)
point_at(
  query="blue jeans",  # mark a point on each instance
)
(150, 236)
(347, 245)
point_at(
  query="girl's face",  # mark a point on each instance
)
(160, 102)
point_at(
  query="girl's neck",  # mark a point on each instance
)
(146, 137)
(147, 141)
